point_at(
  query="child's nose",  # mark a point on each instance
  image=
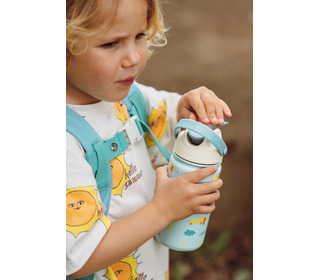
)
(132, 57)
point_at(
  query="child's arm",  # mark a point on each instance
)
(203, 105)
(174, 199)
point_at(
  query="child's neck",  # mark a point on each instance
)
(80, 98)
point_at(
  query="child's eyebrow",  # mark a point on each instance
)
(118, 35)
(112, 37)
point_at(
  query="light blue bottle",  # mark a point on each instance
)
(196, 147)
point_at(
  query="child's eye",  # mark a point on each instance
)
(140, 35)
(109, 45)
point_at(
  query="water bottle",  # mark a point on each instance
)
(196, 146)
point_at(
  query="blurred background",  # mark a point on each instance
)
(210, 44)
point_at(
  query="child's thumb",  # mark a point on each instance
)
(162, 171)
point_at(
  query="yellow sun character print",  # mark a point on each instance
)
(157, 123)
(83, 209)
(121, 111)
(126, 269)
(119, 170)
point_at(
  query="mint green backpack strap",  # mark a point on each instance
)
(95, 153)
(81, 130)
(89, 277)
(136, 104)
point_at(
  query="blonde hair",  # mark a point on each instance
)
(84, 20)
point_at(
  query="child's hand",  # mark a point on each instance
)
(203, 105)
(179, 197)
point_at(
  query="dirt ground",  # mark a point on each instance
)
(210, 44)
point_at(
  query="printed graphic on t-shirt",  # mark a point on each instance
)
(126, 269)
(121, 111)
(123, 175)
(119, 170)
(157, 123)
(83, 209)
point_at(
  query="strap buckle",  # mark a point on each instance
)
(131, 131)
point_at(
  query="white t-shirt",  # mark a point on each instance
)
(133, 186)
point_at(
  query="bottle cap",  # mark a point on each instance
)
(195, 138)
(204, 131)
(198, 143)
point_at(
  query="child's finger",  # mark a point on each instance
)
(208, 98)
(209, 198)
(219, 114)
(193, 116)
(226, 109)
(209, 187)
(205, 209)
(200, 174)
(198, 107)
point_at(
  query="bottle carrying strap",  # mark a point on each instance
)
(203, 130)
(146, 128)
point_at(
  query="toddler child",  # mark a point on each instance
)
(108, 43)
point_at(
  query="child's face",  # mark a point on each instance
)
(112, 61)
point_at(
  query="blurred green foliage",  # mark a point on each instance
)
(221, 242)
(223, 256)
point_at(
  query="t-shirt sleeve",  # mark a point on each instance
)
(162, 119)
(86, 223)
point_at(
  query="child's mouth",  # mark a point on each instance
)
(127, 82)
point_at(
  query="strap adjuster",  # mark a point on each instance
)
(131, 131)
